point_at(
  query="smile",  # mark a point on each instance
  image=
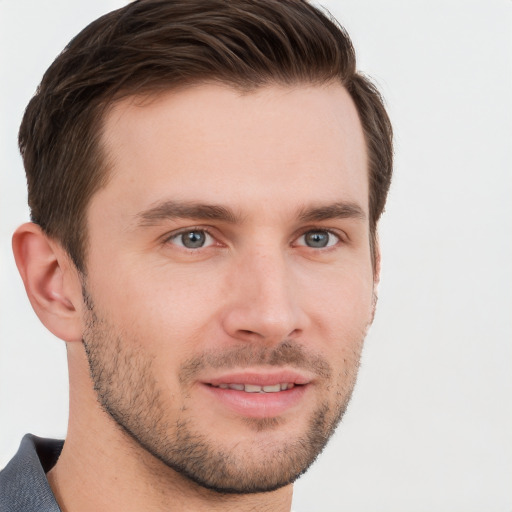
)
(253, 388)
(258, 394)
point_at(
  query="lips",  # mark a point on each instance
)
(260, 378)
(256, 394)
(253, 388)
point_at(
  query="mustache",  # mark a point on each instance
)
(287, 353)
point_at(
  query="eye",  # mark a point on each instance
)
(318, 239)
(192, 239)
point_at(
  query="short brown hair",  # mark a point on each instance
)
(153, 45)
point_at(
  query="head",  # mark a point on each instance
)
(215, 172)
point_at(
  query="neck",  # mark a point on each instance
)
(103, 468)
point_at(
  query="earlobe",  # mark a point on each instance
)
(51, 282)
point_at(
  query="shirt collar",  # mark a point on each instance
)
(23, 483)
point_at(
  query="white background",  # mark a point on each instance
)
(430, 424)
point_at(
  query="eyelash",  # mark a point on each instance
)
(176, 235)
(331, 233)
(311, 229)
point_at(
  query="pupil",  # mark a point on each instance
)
(193, 239)
(317, 239)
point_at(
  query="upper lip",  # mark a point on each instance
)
(261, 377)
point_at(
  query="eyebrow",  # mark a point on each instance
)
(168, 210)
(340, 210)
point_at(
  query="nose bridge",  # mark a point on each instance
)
(263, 301)
(271, 280)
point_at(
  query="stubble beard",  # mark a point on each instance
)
(128, 391)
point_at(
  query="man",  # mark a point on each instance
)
(205, 181)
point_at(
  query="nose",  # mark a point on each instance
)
(264, 302)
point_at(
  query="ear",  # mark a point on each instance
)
(51, 281)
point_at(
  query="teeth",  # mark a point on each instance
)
(252, 388)
(272, 389)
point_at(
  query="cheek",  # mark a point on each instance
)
(169, 306)
(161, 307)
(343, 299)
(342, 316)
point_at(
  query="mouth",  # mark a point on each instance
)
(258, 394)
(254, 388)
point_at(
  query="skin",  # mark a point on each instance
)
(261, 299)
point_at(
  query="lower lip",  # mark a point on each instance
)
(258, 405)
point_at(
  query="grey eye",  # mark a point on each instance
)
(318, 239)
(193, 239)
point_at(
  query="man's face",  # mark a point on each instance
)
(229, 277)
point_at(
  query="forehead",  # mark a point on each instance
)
(215, 144)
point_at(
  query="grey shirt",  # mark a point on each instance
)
(23, 483)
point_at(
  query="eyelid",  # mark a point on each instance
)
(169, 237)
(340, 235)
